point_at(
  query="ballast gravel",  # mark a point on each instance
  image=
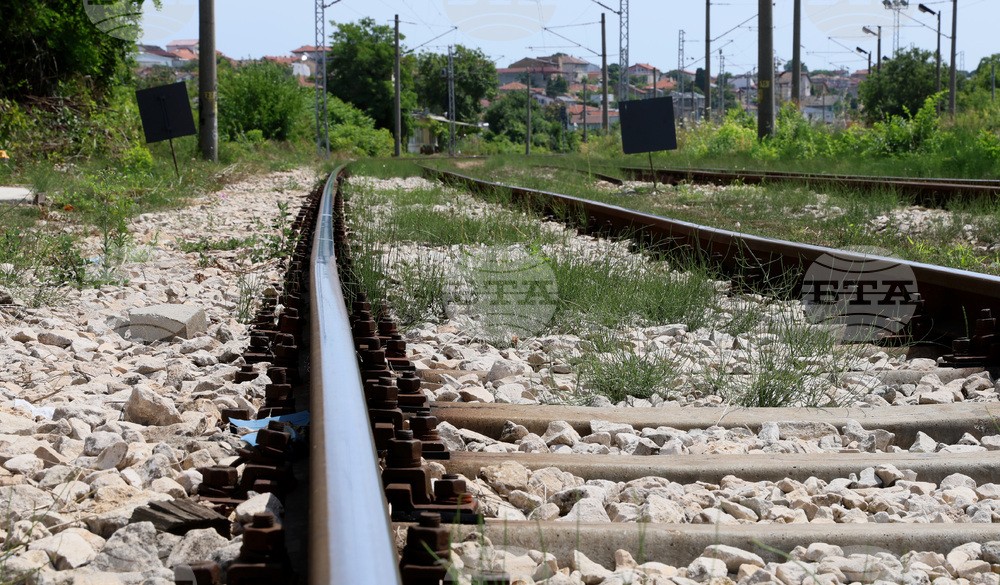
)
(710, 367)
(95, 421)
(878, 494)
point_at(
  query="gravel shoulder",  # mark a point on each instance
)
(98, 419)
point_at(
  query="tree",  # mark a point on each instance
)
(507, 117)
(977, 91)
(699, 80)
(900, 87)
(361, 60)
(556, 86)
(613, 70)
(788, 67)
(475, 80)
(48, 42)
(261, 96)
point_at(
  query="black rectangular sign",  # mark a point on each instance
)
(165, 112)
(648, 125)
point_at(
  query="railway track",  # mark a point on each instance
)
(925, 191)
(372, 423)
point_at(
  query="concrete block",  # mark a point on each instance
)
(160, 322)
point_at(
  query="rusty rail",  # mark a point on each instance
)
(957, 305)
(350, 533)
(932, 191)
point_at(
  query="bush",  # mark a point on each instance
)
(261, 96)
(352, 132)
(137, 159)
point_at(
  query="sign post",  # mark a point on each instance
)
(166, 114)
(648, 126)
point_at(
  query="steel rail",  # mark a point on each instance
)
(920, 189)
(952, 298)
(350, 532)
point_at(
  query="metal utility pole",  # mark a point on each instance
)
(452, 114)
(208, 105)
(527, 141)
(708, 59)
(604, 75)
(397, 108)
(897, 6)
(722, 88)
(765, 65)
(869, 54)
(797, 53)
(878, 49)
(680, 71)
(322, 120)
(952, 82)
(925, 9)
(623, 49)
(585, 98)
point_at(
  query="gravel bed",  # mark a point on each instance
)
(95, 422)
(880, 494)
(777, 437)
(816, 564)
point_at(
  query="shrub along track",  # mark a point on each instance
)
(368, 368)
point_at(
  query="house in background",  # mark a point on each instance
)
(594, 120)
(310, 56)
(643, 73)
(820, 108)
(784, 86)
(298, 66)
(154, 56)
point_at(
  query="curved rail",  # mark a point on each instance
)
(952, 298)
(350, 532)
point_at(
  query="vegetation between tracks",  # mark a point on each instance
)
(410, 240)
(964, 235)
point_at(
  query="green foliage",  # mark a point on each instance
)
(137, 159)
(73, 124)
(901, 87)
(624, 372)
(475, 80)
(507, 117)
(353, 133)
(361, 63)
(49, 42)
(260, 96)
(556, 86)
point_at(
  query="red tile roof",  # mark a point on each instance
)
(310, 49)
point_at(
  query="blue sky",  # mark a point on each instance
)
(509, 29)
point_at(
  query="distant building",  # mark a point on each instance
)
(299, 67)
(594, 120)
(310, 55)
(688, 105)
(154, 56)
(820, 108)
(784, 86)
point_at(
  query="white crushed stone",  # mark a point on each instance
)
(66, 376)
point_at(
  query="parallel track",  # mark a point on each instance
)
(928, 191)
(952, 299)
(350, 534)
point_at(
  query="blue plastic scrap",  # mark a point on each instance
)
(294, 423)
